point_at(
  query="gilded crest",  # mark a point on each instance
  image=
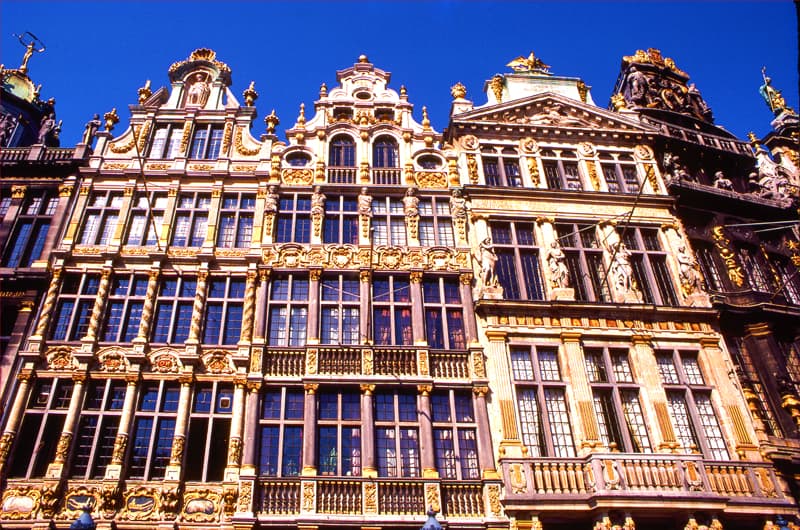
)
(61, 358)
(218, 362)
(112, 360)
(165, 361)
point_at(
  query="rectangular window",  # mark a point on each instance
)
(124, 308)
(339, 433)
(100, 218)
(97, 429)
(517, 265)
(281, 446)
(191, 219)
(173, 312)
(391, 310)
(206, 142)
(236, 220)
(454, 435)
(153, 430)
(435, 226)
(294, 219)
(74, 307)
(147, 216)
(288, 311)
(561, 170)
(541, 401)
(209, 429)
(340, 304)
(396, 435)
(444, 317)
(388, 222)
(223, 311)
(341, 220)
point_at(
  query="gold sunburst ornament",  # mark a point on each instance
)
(531, 63)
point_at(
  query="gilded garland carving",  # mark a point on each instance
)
(226, 139)
(187, 133)
(240, 148)
(245, 496)
(472, 169)
(650, 175)
(590, 165)
(308, 497)
(118, 453)
(735, 272)
(157, 166)
(370, 498)
(432, 497)
(494, 499)
(117, 165)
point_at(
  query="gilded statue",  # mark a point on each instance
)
(771, 95)
(531, 63)
(198, 92)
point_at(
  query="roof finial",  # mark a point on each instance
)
(250, 95)
(145, 92)
(272, 121)
(301, 118)
(323, 90)
(458, 91)
(426, 123)
(363, 58)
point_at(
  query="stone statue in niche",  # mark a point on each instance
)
(721, 182)
(557, 261)
(675, 167)
(198, 92)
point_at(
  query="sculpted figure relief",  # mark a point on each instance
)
(411, 203)
(488, 259)
(621, 269)
(91, 128)
(317, 202)
(721, 182)
(638, 87)
(46, 128)
(689, 272)
(271, 200)
(557, 261)
(7, 124)
(458, 205)
(365, 203)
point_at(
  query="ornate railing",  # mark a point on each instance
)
(646, 474)
(14, 154)
(285, 363)
(462, 500)
(449, 365)
(280, 497)
(386, 176)
(395, 362)
(342, 175)
(339, 361)
(339, 496)
(401, 498)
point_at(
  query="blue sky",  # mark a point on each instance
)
(99, 53)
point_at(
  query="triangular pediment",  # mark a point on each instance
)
(550, 110)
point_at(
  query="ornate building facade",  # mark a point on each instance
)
(38, 178)
(738, 204)
(373, 319)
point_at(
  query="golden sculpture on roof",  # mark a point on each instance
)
(653, 56)
(32, 45)
(531, 63)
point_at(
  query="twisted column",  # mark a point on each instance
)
(149, 304)
(199, 305)
(14, 416)
(249, 310)
(49, 304)
(99, 304)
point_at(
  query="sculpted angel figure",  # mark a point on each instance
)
(317, 202)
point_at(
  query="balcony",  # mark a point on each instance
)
(366, 360)
(362, 496)
(389, 176)
(647, 477)
(342, 175)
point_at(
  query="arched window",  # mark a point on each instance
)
(385, 153)
(342, 152)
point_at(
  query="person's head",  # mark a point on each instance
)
(364, 191)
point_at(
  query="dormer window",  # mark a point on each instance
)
(298, 159)
(429, 162)
(384, 114)
(342, 114)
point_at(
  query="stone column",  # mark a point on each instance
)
(312, 324)
(417, 311)
(426, 448)
(249, 309)
(15, 416)
(258, 215)
(719, 372)
(173, 471)
(122, 219)
(499, 374)
(56, 468)
(235, 437)
(643, 362)
(259, 330)
(310, 430)
(470, 324)
(35, 341)
(147, 310)
(169, 212)
(213, 217)
(368, 432)
(87, 342)
(485, 452)
(13, 347)
(582, 410)
(365, 314)
(250, 429)
(77, 213)
(114, 468)
(197, 310)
